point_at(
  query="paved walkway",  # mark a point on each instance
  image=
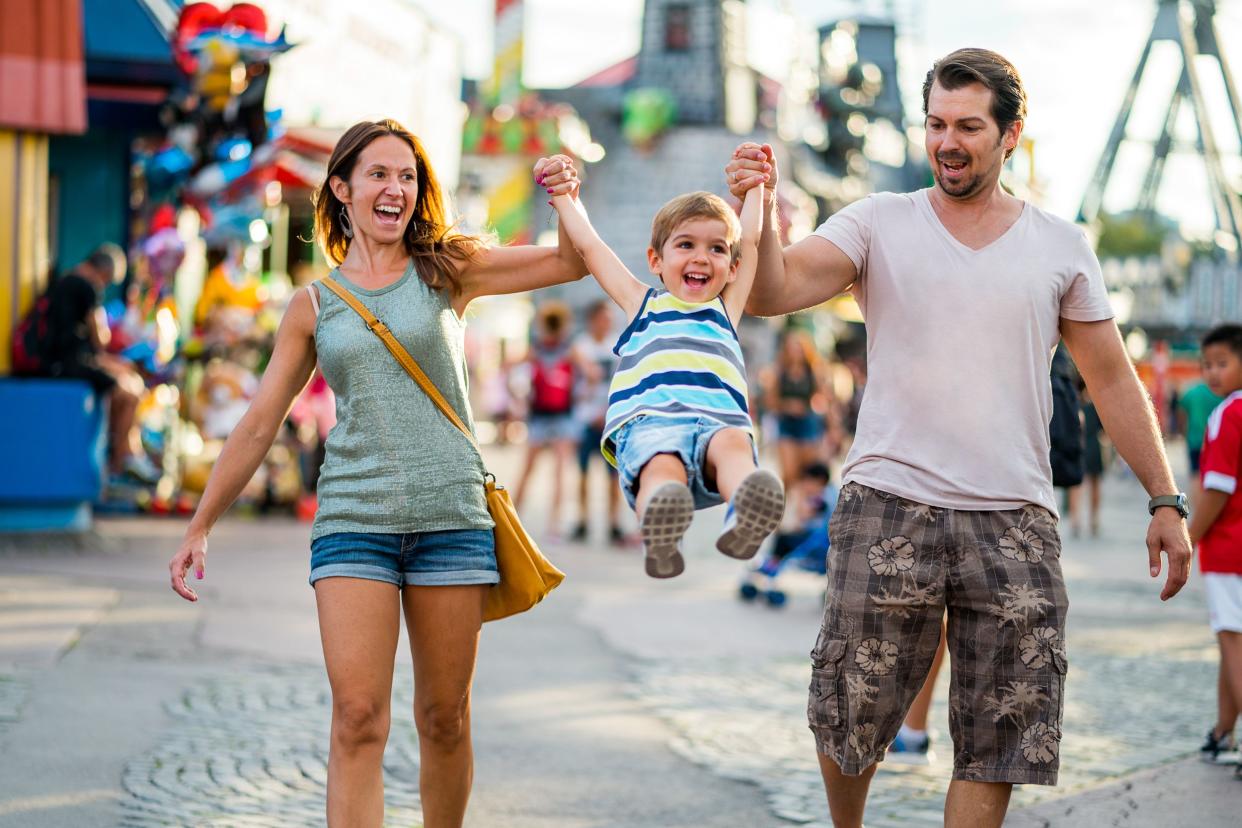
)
(620, 702)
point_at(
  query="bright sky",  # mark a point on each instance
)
(1076, 59)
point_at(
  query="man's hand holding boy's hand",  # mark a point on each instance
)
(752, 164)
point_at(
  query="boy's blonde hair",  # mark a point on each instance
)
(697, 205)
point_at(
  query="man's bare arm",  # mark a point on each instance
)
(1131, 425)
(799, 276)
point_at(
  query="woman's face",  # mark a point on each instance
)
(382, 190)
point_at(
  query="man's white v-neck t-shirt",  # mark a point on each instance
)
(959, 349)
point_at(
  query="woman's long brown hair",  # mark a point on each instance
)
(437, 250)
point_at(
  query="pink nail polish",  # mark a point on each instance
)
(549, 191)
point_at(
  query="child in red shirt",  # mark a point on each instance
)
(1216, 525)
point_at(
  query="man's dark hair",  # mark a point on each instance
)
(967, 66)
(1229, 335)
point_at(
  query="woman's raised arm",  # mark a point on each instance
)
(519, 268)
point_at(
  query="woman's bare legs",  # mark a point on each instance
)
(443, 624)
(359, 622)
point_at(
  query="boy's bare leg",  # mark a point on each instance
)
(1231, 673)
(847, 795)
(661, 469)
(729, 460)
(1226, 708)
(756, 496)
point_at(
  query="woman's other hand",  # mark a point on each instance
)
(191, 555)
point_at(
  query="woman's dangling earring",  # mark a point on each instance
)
(347, 226)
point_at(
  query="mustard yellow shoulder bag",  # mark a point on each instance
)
(526, 576)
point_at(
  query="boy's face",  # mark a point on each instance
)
(695, 263)
(1222, 369)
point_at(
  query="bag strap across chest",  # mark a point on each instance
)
(402, 356)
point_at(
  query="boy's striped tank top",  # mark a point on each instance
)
(678, 359)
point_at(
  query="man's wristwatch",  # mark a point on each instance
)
(1177, 501)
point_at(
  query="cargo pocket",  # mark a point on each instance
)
(1056, 692)
(824, 704)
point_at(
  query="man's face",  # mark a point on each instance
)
(965, 147)
(1222, 369)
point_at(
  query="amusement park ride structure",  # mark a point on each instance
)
(1190, 26)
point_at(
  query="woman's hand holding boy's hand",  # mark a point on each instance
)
(557, 175)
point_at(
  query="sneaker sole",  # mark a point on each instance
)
(665, 521)
(758, 505)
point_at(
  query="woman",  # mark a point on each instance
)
(794, 394)
(402, 524)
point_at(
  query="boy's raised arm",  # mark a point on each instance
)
(613, 276)
(737, 291)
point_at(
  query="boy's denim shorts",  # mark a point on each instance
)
(643, 437)
(453, 557)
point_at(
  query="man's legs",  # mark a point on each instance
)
(126, 389)
(847, 795)
(1007, 606)
(976, 804)
(881, 629)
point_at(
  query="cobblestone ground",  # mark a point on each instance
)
(251, 752)
(1140, 692)
(746, 720)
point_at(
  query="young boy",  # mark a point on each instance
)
(1216, 525)
(678, 427)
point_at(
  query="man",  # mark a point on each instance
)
(948, 498)
(76, 348)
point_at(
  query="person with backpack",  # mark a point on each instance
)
(65, 336)
(550, 424)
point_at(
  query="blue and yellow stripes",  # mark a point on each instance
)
(677, 358)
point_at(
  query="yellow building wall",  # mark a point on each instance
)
(23, 230)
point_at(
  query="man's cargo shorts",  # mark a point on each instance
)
(896, 566)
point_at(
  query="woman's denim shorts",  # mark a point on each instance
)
(804, 429)
(450, 558)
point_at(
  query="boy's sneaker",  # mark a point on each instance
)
(665, 521)
(910, 750)
(754, 513)
(1219, 749)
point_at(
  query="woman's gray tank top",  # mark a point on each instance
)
(394, 463)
